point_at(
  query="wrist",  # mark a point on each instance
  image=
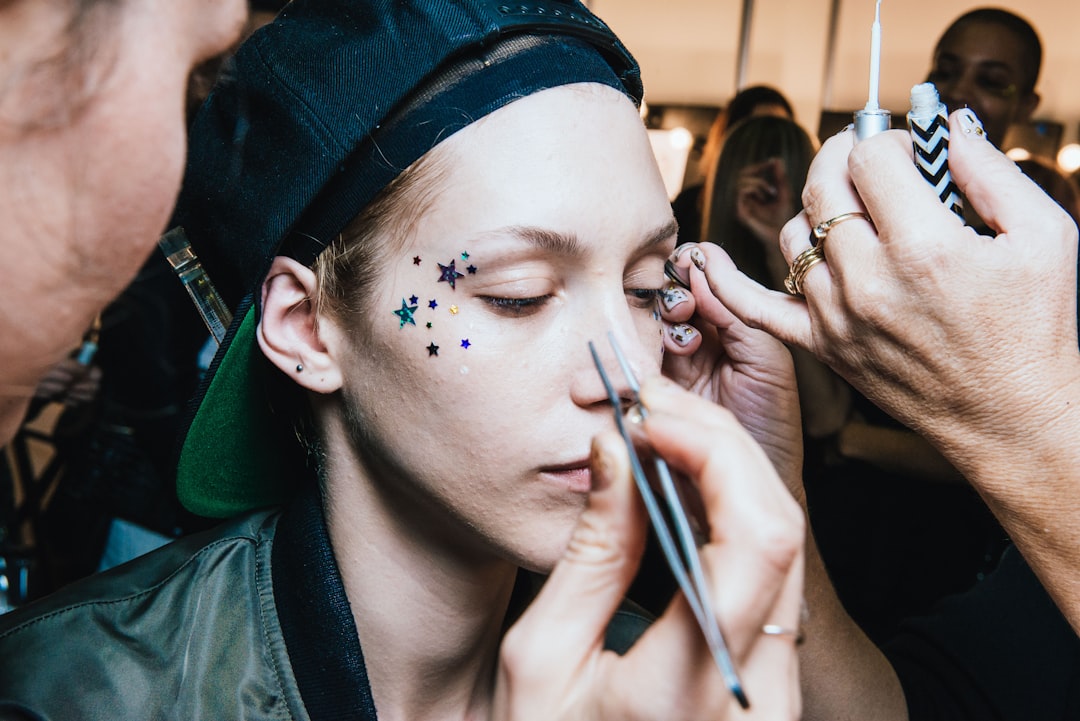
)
(1024, 436)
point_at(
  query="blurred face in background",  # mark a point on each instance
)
(92, 150)
(983, 66)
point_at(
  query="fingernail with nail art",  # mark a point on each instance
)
(697, 258)
(677, 275)
(682, 334)
(970, 123)
(672, 297)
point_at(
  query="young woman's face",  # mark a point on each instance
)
(470, 389)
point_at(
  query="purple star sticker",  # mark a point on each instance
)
(449, 274)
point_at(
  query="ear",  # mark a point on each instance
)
(288, 333)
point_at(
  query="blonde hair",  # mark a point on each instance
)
(343, 271)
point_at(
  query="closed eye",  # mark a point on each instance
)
(516, 307)
(644, 297)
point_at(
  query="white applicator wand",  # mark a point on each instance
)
(928, 122)
(873, 119)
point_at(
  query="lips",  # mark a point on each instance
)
(574, 476)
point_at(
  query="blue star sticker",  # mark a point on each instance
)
(432, 304)
(471, 269)
(413, 300)
(405, 315)
(465, 343)
(449, 274)
(432, 350)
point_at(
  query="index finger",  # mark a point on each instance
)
(895, 194)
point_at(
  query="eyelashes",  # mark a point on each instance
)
(644, 298)
(516, 307)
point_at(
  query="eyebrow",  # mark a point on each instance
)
(568, 244)
(978, 63)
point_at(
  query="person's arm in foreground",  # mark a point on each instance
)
(970, 340)
(552, 663)
(843, 674)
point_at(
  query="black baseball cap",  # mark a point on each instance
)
(317, 113)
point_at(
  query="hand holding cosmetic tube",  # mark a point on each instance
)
(970, 340)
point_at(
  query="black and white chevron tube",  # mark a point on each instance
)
(928, 122)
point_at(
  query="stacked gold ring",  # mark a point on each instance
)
(813, 255)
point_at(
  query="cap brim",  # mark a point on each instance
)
(228, 463)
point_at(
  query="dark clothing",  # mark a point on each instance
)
(999, 652)
(249, 620)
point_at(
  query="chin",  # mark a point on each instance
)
(547, 548)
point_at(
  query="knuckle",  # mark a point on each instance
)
(595, 542)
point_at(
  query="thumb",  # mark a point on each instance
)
(565, 625)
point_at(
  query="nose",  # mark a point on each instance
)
(640, 358)
(957, 91)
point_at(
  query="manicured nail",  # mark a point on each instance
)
(698, 258)
(682, 334)
(672, 297)
(600, 467)
(678, 276)
(970, 123)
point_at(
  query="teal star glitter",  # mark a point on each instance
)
(449, 274)
(464, 255)
(405, 314)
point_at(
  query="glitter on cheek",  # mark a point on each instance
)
(405, 314)
(453, 310)
(449, 274)
(416, 260)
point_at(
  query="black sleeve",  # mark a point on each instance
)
(1000, 651)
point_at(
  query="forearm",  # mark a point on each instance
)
(844, 675)
(1027, 468)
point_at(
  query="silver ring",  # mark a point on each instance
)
(771, 629)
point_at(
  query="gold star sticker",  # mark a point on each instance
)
(453, 310)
